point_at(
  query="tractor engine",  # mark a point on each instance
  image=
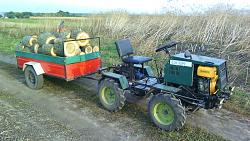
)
(203, 79)
(207, 80)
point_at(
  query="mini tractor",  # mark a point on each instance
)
(189, 82)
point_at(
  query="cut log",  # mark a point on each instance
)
(34, 48)
(96, 49)
(82, 53)
(26, 49)
(46, 38)
(88, 49)
(20, 47)
(78, 51)
(78, 34)
(29, 40)
(64, 35)
(59, 46)
(48, 49)
(68, 48)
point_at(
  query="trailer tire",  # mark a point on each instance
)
(166, 112)
(111, 95)
(33, 80)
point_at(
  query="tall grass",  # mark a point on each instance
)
(218, 34)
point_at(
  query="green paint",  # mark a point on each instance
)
(178, 74)
(199, 59)
(184, 75)
(122, 79)
(147, 69)
(166, 88)
(59, 60)
(163, 113)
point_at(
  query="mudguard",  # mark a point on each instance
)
(121, 78)
(36, 66)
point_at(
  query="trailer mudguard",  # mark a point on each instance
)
(121, 78)
(36, 66)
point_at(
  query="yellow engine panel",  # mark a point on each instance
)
(209, 72)
(213, 85)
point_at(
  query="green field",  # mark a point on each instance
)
(222, 35)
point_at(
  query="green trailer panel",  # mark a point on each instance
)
(59, 60)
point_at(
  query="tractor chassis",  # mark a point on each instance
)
(151, 85)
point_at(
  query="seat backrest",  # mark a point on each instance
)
(124, 47)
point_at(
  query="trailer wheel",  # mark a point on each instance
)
(111, 95)
(33, 80)
(166, 112)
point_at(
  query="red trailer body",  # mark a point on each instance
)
(67, 68)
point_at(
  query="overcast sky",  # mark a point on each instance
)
(132, 6)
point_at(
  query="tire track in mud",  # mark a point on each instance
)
(229, 125)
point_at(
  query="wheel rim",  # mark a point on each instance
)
(32, 78)
(163, 113)
(108, 95)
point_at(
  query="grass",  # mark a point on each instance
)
(109, 52)
(8, 43)
(239, 103)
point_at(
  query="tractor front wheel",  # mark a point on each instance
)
(111, 95)
(33, 80)
(166, 112)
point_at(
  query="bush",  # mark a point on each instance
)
(13, 15)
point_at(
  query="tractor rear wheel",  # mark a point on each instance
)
(33, 80)
(166, 112)
(111, 95)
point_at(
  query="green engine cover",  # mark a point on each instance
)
(179, 72)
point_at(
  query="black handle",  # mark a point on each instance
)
(168, 45)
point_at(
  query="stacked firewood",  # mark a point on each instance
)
(63, 44)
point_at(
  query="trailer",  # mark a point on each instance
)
(35, 66)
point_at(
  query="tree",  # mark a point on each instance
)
(18, 15)
(10, 15)
(27, 14)
(1, 15)
(13, 15)
(61, 13)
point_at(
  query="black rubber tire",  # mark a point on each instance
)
(119, 95)
(37, 80)
(178, 110)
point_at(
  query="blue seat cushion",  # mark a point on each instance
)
(136, 59)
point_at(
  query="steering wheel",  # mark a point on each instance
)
(166, 46)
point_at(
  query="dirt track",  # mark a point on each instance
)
(58, 113)
(42, 115)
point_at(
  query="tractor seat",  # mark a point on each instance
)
(125, 49)
(136, 59)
